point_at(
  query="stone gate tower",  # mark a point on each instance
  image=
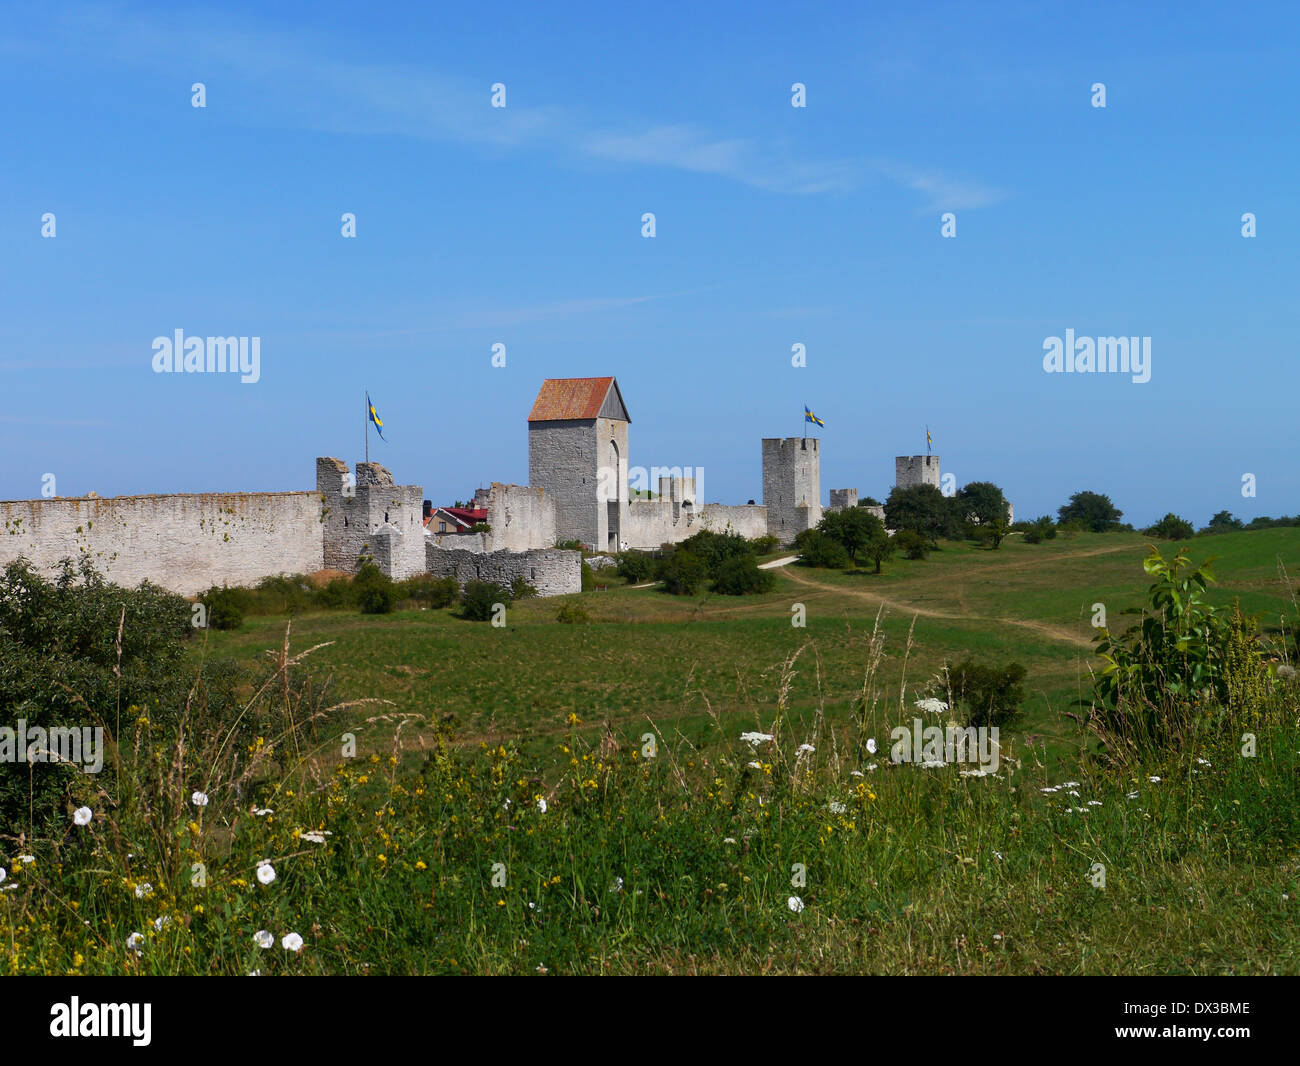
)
(792, 483)
(577, 453)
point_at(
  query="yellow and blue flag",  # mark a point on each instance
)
(928, 439)
(374, 417)
(808, 416)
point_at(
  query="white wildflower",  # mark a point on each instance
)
(871, 746)
(263, 939)
(931, 705)
(134, 941)
(541, 804)
(795, 904)
(755, 739)
(199, 799)
(265, 872)
(144, 888)
(291, 942)
(82, 816)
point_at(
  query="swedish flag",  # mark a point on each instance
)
(808, 416)
(374, 417)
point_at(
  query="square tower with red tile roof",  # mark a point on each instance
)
(577, 453)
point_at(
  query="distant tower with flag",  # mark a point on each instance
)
(792, 481)
(910, 470)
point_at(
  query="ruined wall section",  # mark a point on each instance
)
(354, 509)
(551, 571)
(522, 517)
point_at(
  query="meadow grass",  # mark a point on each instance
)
(550, 798)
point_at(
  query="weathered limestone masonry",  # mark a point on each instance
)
(521, 517)
(912, 470)
(372, 517)
(550, 571)
(791, 485)
(843, 499)
(184, 543)
(676, 513)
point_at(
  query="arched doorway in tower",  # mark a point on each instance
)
(612, 507)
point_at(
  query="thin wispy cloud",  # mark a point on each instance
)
(292, 83)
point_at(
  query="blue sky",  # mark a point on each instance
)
(775, 226)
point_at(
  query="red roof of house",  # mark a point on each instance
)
(561, 399)
(468, 515)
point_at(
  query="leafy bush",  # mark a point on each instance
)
(1184, 665)
(225, 606)
(335, 594)
(572, 612)
(740, 576)
(1171, 527)
(521, 590)
(375, 591)
(912, 544)
(817, 549)
(636, 567)
(480, 597)
(428, 590)
(715, 548)
(683, 572)
(63, 665)
(1037, 531)
(764, 545)
(991, 695)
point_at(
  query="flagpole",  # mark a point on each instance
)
(367, 430)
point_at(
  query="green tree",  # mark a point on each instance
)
(1092, 510)
(982, 502)
(817, 549)
(923, 509)
(854, 528)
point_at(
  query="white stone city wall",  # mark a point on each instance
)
(184, 543)
(551, 571)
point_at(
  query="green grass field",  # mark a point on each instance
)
(487, 821)
(650, 657)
